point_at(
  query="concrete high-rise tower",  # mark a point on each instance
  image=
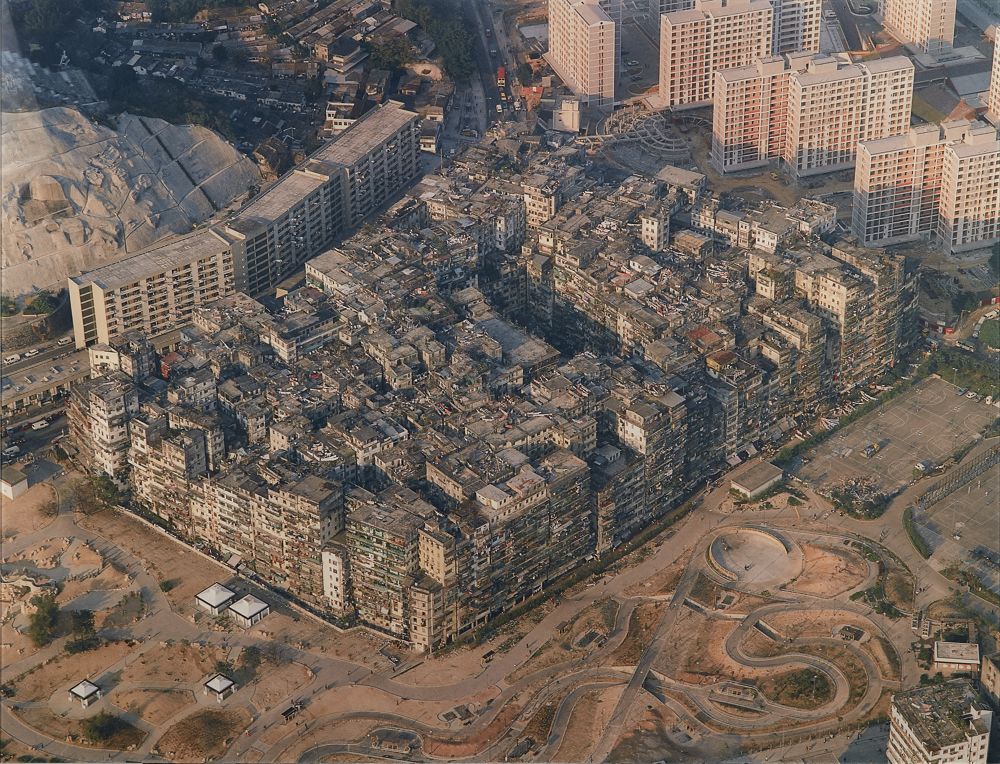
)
(584, 47)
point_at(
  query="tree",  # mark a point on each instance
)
(49, 508)
(83, 623)
(314, 89)
(102, 727)
(83, 632)
(394, 53)
(42, 303)
(8, 306)
(43, 620)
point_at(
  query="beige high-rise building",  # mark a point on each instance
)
(927, 24)
(833, 105)
(899, 181)
(796, 22)
(584, 42)
(970, 193)
(993, 100)
(808, 109)
(153, 291)
(750, 112)
(713, 35)
(796, 25)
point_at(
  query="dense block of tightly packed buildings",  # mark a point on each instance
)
(523, 362)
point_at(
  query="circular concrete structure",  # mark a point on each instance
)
(755, 556)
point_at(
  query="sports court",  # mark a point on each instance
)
(926, 423)
(963, 527)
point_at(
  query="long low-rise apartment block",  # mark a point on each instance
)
(264, 243)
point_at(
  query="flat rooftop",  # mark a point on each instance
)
(159, 258)
(956, 652)
(371, 130)
(944, 714)
(755, 477)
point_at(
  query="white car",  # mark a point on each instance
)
(41, 424)
(499, 109)
(65, 341)
(12, 359)
(31, 353)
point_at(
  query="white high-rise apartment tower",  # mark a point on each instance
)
(898, 181)
(927, 24)
(833, 105)
(584, 46)
(796, 25)
(796, 22)
(713, 35)
(970, 194)
(993, 102)
(808, 109)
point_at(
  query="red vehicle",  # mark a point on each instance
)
(501, 77)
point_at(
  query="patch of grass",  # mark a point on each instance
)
(541, 723)
(110, 730)
(802, 688)
(989, 334)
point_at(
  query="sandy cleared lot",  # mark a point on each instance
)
(22, 515)
(276, 682)
(927, 422)
(827, 571)
(61, 672)
(166, 560)
(154, 706)
(815, 623)
(700, 657)
(590, 716)
(177, 662)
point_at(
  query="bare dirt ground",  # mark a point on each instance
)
(177, 662)
(203, 735)
(39, 683)
(165, 559)
(23, 515)
(563, 646)
(361, 698)
(590, 716)
(640, 630)
(347, 730)
(276, 682)
(700, 658)
(827, 571)
(818, 623)
(444, 748)
(885, 656)
(154, 706)
(108, 579)
(664, 581)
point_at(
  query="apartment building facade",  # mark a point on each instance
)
(750, 112)
(833, 105)
(943, 723)
(158, 289)
(900, 184)
(585, 46)
(993, 100)
(711, 36)
(927, 24)
(808, 109)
